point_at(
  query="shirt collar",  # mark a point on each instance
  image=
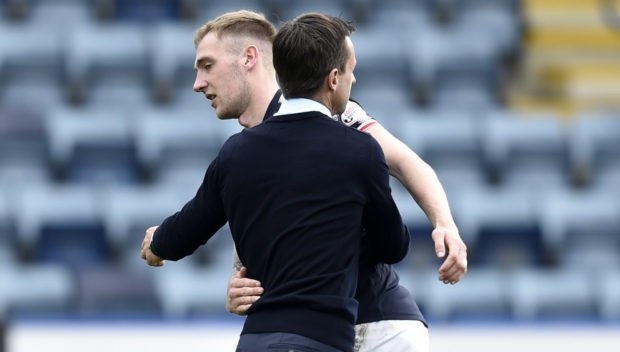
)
(298, 105)
(274, 105)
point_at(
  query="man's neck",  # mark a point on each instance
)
(261, 98)
(324, 99)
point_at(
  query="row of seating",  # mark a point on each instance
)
(180, 289)
(508, 226)
(129, 62)
(130, 145)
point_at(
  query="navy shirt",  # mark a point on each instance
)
(299, 208)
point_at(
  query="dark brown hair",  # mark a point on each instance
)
(306, 49)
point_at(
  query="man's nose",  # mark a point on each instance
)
(199, 84)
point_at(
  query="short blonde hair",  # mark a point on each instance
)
(238, 23)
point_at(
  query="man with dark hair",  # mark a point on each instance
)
(298, 205)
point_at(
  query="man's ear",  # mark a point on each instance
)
(250, 55)
(332, 79)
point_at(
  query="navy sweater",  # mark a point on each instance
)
(297, 200)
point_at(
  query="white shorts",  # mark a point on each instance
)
(392, 336)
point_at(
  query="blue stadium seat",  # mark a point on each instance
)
(212, 9)
(128, 210)
(146, 11)
(442, 140)
(515, 145)
(60, 223)
(107, 54)
(388, 102)
(60, 16)
(178, 282)
(116, 290)
(170, 138)
(481, 294)
(8, 249)
(608, 290)
(172, 52)
(499, 225)
(22, 45)
(336, 8)
(27, 81)
(594, 145)
(92, 145)
(35, 288)
(572, 215)
(380, 54)
(23, 148)
(551, 294)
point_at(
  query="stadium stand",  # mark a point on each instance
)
(513, 103)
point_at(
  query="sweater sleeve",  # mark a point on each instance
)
(387, 235)
(181, 234)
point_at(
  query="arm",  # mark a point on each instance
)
(422, 183)
(182, 233)
(242, 291)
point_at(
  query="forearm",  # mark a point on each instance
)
(416, 176)
(422, 183)
(237, 265)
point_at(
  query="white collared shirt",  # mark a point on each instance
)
(298, 105)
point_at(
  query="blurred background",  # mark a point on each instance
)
(515, 104)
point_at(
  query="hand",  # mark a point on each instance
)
(354, 115)
(455, 266)
(145, 253)
(242, 293)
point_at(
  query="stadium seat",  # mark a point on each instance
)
(388, 102)
(35, 288)
(128, 210)
(212, 9)
(608, 290)
(481, 294)
(514, 144)
(23, 44)
(594, 145)
(116, 290)
(551, 294)
(61, 217)
(495, 22)
(172, 52)
(107, 54)
(8, 252)
(170, 138)
(60, 16)
(178, 282)
(27, 82)
(441, 140)
(380, 54)
(578, 215)
(499, 225)
(92, 145)
(144, 11)
(337, 8)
